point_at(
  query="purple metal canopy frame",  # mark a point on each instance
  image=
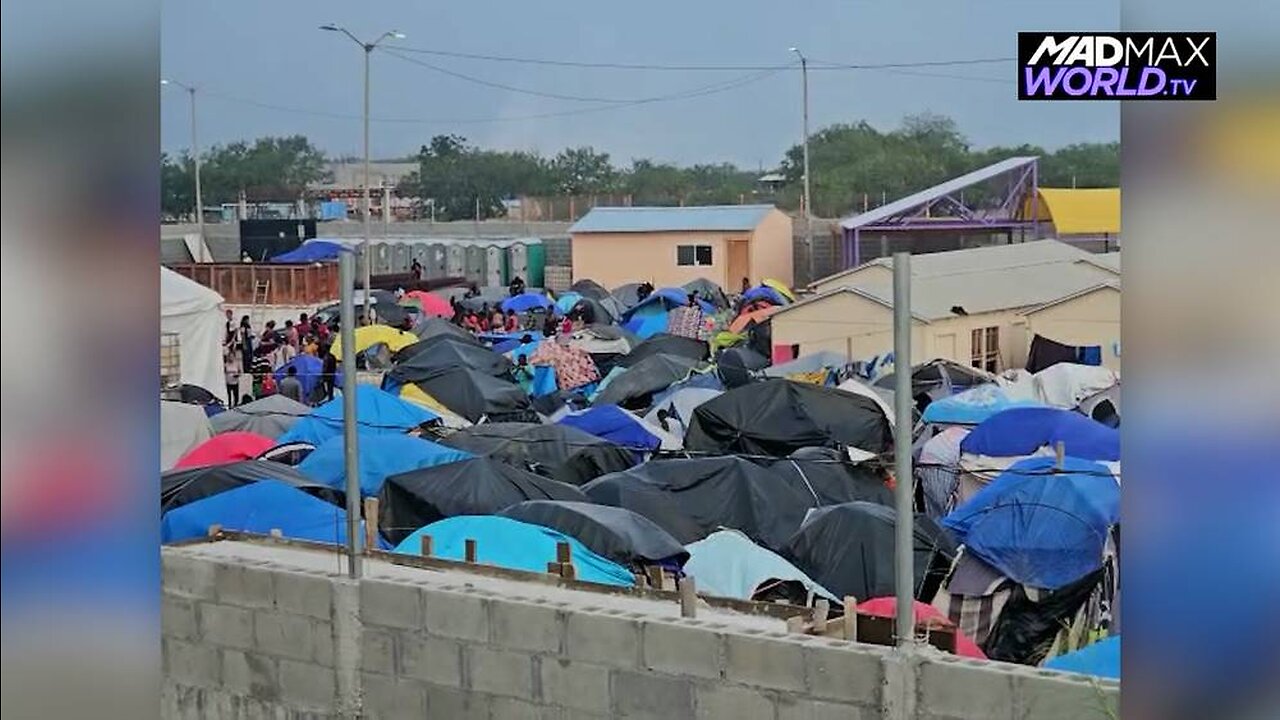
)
(916, 212)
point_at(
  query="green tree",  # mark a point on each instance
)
(582, 170)
(177, 186)
(457, 176)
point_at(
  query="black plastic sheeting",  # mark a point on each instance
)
(634, 387)
(693, 497)
(590, 289)
(480, 486)
(664, 344)
(708, 291)
(187, 485)
(848, 549)
(623, 536)
(1025, 630)
(830, 477)
(420, 359)
(560, 452)
(432, 327)
(737, 366)
(777, 417)
(475, 395)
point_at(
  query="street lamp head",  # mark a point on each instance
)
(794, 50)
(331, 28)
(397, 34)
(164, 81)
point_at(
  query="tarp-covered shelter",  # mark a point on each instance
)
(474, 394)
(600, 339)
(271, 416)
(727, 563)
(677, 407)
(312, 251)
(515, 545)
(225, 448)
(972, 406)
(693, 497)
(419, 360)
(182, 427)
(589, 288)
(193, 313)
(185, 486)
(708, 291)
(622, 428)
(259, 508)
(738, 366)
(1024, 430)
(777, 417)
(622, 536)
(379, 456)
(849, 549)
(830, 476)
(478, 486)
(664, 344)
(635, 385)
(376, 411)
(431, 327)
(1041, 526)
(1101, 659)
(370, 335)
(560, 452)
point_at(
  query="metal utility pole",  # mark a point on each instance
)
(365, 249)
(904, 572)
(195, 154)
(808, 199)
(347, 314)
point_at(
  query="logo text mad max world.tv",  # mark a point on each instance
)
(1117, 66)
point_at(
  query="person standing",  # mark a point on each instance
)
(231, 365)
(290, 385)
(416, 269)
(244, 339)
(328, 371)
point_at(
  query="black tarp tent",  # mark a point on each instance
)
(830, 476)
(777, 417)
(476, 395)
(737, 366)
(186, 485)
(420, 359)
(619, 534)
(664, 344)
(560, 452)
(479, 486)
(634, 386)
(693, 497)
(430, 327)
(708, 291)
(848, 549)
(589, 288)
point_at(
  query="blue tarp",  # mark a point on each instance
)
(1024, 430)
(376, 412)
(647, 321)
(728, 564)
(566, 302)
(380, 456)
(544, 381)
(972, 406)
(764, 292)
(333, 210)
(615, 425)
(1039, 526)
(1101, 659)
(512, 544)
(259, 508)
(524, 302)
(311, 251)
(310, 368)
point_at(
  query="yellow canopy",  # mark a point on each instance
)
(1091, 211)
(416, 395)
(780, 287)
(371, 335)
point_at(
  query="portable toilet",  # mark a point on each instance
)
(435, 260)
(518, 261)
(496, 262)
(537, 263)
(455, 260)
(422, 253)
(475, 267)
(400, 261)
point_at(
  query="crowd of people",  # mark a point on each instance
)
(250, 357)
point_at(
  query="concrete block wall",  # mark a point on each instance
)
(262, 640)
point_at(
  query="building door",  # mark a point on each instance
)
(944, 346)
(739, 265)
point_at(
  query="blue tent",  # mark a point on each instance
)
(566, 302)
(646, 321)
(615, 425)
(1023, 430)
(524, 302)
(764, 292)
(310, 369)
(1101, 659)
(512, 544)
(1039, 526)
(311, 251)
(972, 406)
(258, 508)
(728, 564)
(379, 456)
(376, 412)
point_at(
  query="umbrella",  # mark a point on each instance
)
(738, 366)
(310, 370)
(370, 335)
(740, 323)
(225, 448)
(429, 303)
(434, 327)
(764, 293)
(526, 302)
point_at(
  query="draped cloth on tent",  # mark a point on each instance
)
(687, 322)
(515, 545)
(727, 563)
(622, 428)
(312, 251)
(622, 536)
(573, 367)
(478, 486)
(379, 457)
(560, 452)
(192, 312)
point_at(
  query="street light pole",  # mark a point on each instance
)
(195, 154)
(808, 207)
(366, 247)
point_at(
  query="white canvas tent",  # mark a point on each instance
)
(191, 311)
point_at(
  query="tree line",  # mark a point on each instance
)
(851, 164)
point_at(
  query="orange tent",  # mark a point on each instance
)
(741, 322)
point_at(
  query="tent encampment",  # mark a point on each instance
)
(271, 416)
(560, 452)
(624, 537)
(379, 456)
(193, 313)
(376, 411)
(260, 508)
(182, 427)
(187, 485)
(727, 564)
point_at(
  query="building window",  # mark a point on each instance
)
(985, 349)
(697, 255)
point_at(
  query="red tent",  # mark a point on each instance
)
(430, 303)
(226, 448)
(887, 607)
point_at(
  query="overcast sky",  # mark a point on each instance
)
(248, 54)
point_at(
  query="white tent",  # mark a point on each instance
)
(191, 311)
(182, 427)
